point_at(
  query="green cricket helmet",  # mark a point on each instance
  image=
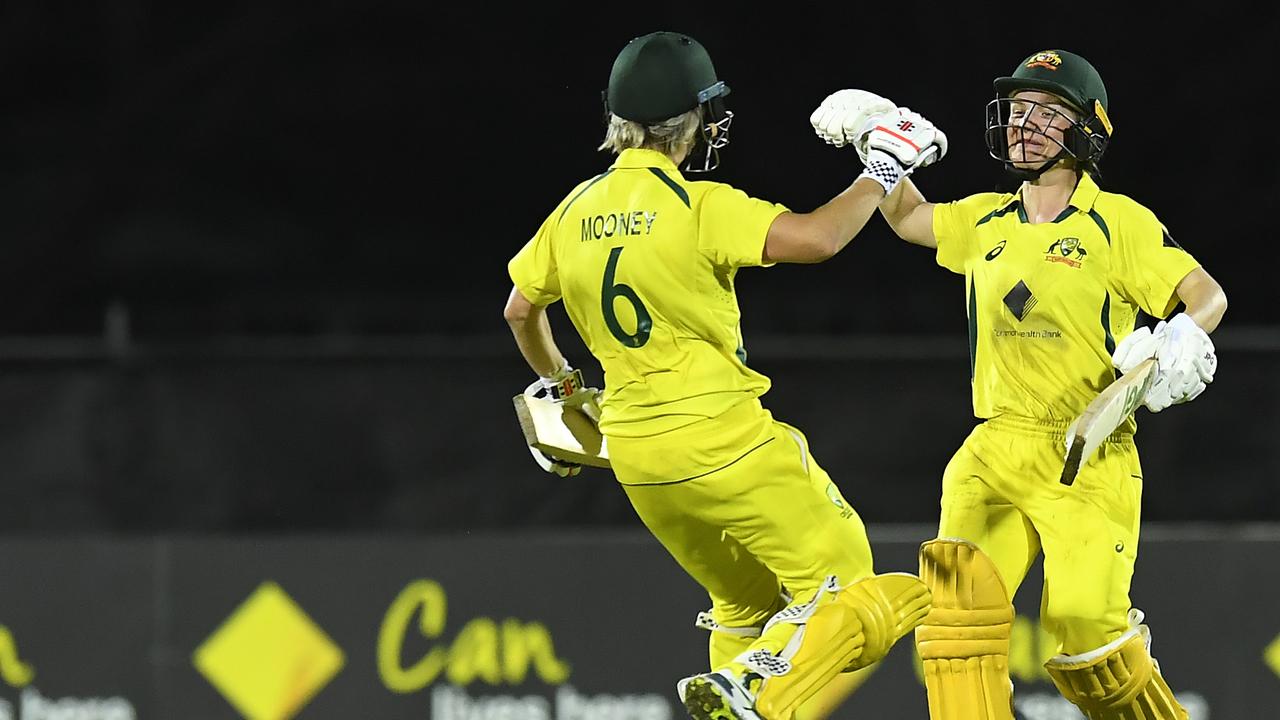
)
(665, 74)
(1069, 77)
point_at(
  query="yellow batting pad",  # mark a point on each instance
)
(964, 642)
(890, 606)
(837, 630)
(1119, 681)
(824, 703)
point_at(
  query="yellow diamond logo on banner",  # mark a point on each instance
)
(268, 659)
(1272, 655)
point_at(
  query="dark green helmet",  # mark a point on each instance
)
(661, 75)
(1062, 73)
(1065, 75)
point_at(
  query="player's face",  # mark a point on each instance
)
(1038, 126)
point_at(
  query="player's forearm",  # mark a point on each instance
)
(1209, 314)
(899, 204)
(533, 337)
(847, 213)
(910, 215)
(1205, 300)
(532, 332)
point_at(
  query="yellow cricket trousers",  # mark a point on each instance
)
(1001, 491)
(744, 508)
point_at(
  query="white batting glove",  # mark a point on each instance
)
(554, 466)
(906, 135)
(898, 143)
(1139, 345)
(564, 386)
(1183, 329)
(1186, 359)
(1173, 387)
(842, 118)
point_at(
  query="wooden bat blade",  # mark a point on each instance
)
(565, 433)
(1103, 415)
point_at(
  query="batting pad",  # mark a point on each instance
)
(837, 630)
(964, 642)
(563, 432)
(1119, 681)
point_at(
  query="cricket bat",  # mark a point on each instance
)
(1104, 414)
(561, 431)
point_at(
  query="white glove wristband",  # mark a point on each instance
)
(882, 168)
(551, 384)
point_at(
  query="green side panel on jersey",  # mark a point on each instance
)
(594, 180)
(1106, 324)
(684, 196)
(1015, 205)
(1102, 224)
(973, 330)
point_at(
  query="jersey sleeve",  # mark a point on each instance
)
(732, 226)
(533, 269)
(953, 229)
(1149, 264)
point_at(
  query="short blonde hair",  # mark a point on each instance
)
(668, 137)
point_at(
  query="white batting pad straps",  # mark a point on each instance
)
(706, 622)
(764, 663)
(798, 614)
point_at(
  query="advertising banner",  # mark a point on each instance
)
(569, 626)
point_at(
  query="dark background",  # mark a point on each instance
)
(254, 253)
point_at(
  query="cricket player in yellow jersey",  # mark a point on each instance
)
(645, 262)
(1055, 275)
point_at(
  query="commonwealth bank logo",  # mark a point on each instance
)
(269, 659)
(1020, 301)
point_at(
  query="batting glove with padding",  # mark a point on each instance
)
(842, 118)
(1136, 347)
(1185, 357)
(564, 386)
(1187, 361)
(898, 143)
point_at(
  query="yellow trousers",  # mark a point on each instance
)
(748, 519)
(1001, 491)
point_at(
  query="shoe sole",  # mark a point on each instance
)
(703, 701)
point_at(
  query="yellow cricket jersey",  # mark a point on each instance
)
(1047, 303)
(645, 262)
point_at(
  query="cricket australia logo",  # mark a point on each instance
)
(1067, 251)
(1048, 59)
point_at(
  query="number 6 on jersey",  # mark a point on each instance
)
(609, 293)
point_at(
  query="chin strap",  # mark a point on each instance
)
(1035, 173)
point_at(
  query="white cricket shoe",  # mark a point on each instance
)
(717, 695)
